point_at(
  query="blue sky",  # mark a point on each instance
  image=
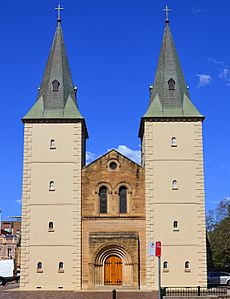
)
(113, 48)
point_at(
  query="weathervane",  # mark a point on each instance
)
(59, 8)
(167, 10)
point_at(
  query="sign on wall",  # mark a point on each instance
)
(154, 248)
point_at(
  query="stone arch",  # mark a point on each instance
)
(113, 249)
(101, 184)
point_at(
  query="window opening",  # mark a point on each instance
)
(113, 165)
(103, 192)
(51, 226)
(51, 186)
(123, 199)
(52, 144)
(175, 224)
(61, 267)
(174, 184)
(56, 85)
(171, 84)
(39, 267)
(186, 265)
(165, 265)
(9, 252)
(173, 141)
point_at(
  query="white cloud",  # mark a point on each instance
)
(19, 201)
(224, 73)
(134, 155)
(204, 80)
(90, 157)
(223, 69)
(215, 61)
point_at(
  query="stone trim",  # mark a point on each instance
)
(26, 187)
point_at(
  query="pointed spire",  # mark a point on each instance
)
(57, 97)
(169, 90)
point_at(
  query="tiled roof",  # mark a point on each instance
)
(56, 102)
(166, 101)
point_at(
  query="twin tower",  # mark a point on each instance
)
(89, 226)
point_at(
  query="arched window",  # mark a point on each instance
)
(123, 200)
(39, 267)
(187, 265)
(51, 226)
(103, 193)
(51, 186)
(52, 144)
(175, 224)
(174, 184)
(56, 85)
(165, 265)
(171, 84)
(173, 141)
(61, 267)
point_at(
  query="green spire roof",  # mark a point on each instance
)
(56, 98)
(169, 94)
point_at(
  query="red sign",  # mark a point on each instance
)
(158, 248)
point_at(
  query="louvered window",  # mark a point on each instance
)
(56, 85)
(103, 199)
(171, 84)
(123, 199)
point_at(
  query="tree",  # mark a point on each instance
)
(218, 226)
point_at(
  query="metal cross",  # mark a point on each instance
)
(167, 10)
(59, 8)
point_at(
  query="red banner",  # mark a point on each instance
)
(158, 248)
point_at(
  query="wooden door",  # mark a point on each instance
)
(113, 271)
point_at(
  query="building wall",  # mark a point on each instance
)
(61, 205)
(185, 204)
(8, 246)
(12, 227)
(113, 230)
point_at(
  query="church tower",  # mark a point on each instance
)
(172, 154)
(54, 154)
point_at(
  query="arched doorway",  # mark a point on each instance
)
(114, 266)
(113, 270)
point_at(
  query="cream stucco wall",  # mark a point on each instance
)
(185, 204)
(62, 206)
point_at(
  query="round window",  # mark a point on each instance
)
(113, 165)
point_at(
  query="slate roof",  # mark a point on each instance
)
(60, 104)
(163, 101)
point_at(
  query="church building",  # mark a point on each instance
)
(88, 227)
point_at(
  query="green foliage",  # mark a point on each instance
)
(218, 226)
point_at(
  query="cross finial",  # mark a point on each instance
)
(167, 10)
(59, 8)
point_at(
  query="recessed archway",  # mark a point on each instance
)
(113, 266)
